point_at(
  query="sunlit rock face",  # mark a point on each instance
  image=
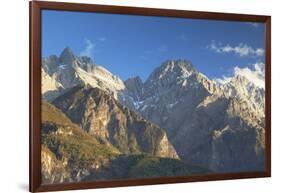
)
(194, 109)
(106, 119)
(69, 70)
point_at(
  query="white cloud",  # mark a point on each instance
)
(260, 52)
(255, 74)
(102, 39)
(88, 50)
(241, 49)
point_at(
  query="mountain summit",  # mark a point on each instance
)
(67, 56)
(69, 70)
(172, 69)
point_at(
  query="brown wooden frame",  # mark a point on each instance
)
(35, 92)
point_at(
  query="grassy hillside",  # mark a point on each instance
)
(146, 166)
(71, 144)
(51, 114)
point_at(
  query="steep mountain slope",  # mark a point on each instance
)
(49, 83)
(240, 87)
(68, 153)
(172, 92)
(113, 124)
(220, 127)
(69, 70)
(135, 88)
(223, 135)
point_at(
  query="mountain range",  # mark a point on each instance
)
(177, 122)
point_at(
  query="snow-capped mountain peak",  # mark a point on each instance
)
(243, 89)
(254, 74)
(177, 78)
(69, 70)
(172, 69)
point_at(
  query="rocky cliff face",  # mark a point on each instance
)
(68, 152)
(50, 83)
(227, 140)
(135, 88)
(241, 88)
(53, 170)
(205, 120)
(106, 119)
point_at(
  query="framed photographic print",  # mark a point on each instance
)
(123, 96)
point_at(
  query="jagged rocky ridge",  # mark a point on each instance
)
(68, 70)
(220, 127)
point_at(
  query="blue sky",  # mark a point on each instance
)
(135, 45)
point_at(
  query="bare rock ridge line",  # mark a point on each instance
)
(194, 109)
(69, 70)
(181, 112)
